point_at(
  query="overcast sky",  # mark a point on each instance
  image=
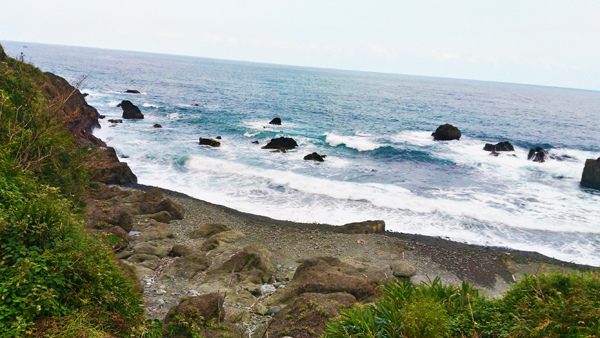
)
(546, 42)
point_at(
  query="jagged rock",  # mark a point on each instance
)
(501, 146)
(308, 314)
(314, 157)
(115, 121)
(282, 142)
(199, 310)
(590, 178)
(252, 265)
(176, 210)
(156, 125)
(130, 111)
(207, 230)
(132, 91)
(403, 269)
(446, 132)
(106, 168)
(537, 155)
(276, 121)
(366, 227)
(209, 142)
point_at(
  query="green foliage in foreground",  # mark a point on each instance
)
(547, 305)
(55, 279)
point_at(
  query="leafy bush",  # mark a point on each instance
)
(549, 305)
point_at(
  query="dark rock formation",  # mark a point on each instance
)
(3, 56)
(308, 314)
(276, 121)
(282, 142)
(199, 310)
(537, 155)
(209, 142)
(314, 157)
(446, 132)
(590, 177)
(501, 146)
(218, 137)
(156, 125)
(254, 142)
(366, 227)
(132, 91)
(115, 121)
(130, 111)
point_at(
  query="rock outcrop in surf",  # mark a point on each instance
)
(537, 154)
(446, 132)
(500, 146)
(276, 121)
(590, 178)
(209, 142)
(281, 143)
(314, 157)
(130, 111)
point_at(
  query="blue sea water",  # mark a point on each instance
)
(376, 129)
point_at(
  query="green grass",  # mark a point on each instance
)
(547, 305)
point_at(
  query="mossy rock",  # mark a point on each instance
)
(161, 216)
(188, 266)
(159, 248)
(230, 236)
(180, 250)
(207, 230)
(199, 310)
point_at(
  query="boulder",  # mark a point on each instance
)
(308, 314)
(180, 250)
(501, 146)
(366, 227)
(188, 266)
(282, 142)
(446, 132)
(314, 157)
(156, 125)
(276, 121)
(175, 210)
(119, 234)
(209, 142)
(199, 310)
(115, 121)
(252, 265)
(156, 248)
(590, 177)
(161, 216)
(537, 155)
(132, 91)
(403, 269)
(207, 230)
(130, 111)
(328, 275)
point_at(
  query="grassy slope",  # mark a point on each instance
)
(54, 277)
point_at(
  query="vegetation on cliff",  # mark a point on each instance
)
(55, 279)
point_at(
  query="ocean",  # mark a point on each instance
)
(382, 162)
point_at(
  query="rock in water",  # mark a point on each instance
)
(591, 174)
(501, 146)
(130, 111)
(314, 157)
(209, 142)
(446, 132)
(282, 142)
(276, 121)
(537, 155)
(156, 125)
(132, 91)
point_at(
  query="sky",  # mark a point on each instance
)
(542, 42)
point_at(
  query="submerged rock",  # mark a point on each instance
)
(590, 177)
(156, 125)
(115, 121)
(537, 155)
(130, 111)
(276, 121)
(209, 142)
(501, 146)
(132, 91)
(282, 142)
(446, 132)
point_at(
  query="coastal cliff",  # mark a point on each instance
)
(246, 275)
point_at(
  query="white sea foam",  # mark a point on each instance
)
(151, 105)
(358, 142)
(250, 134)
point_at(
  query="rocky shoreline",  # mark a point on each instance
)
(253, 274)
